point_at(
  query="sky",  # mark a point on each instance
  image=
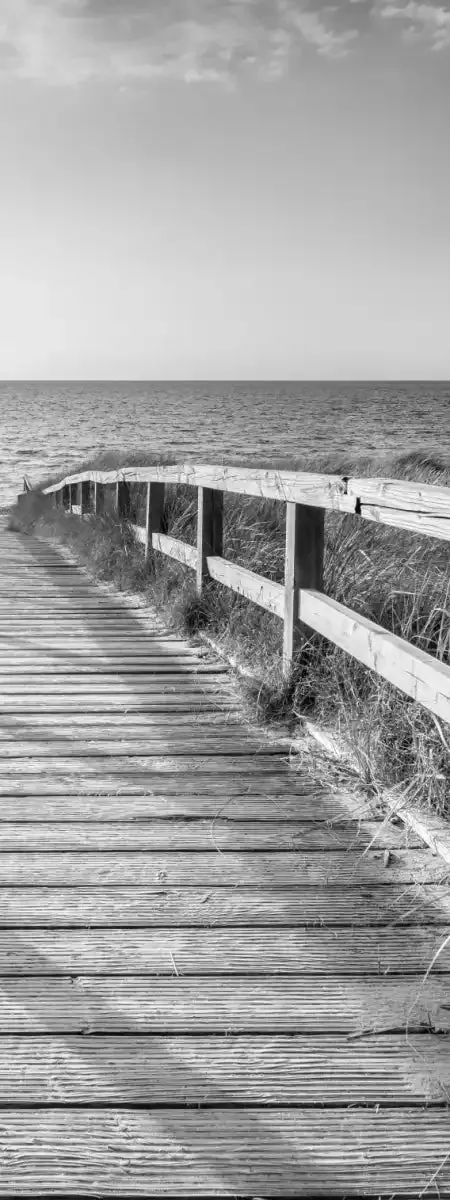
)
(224, 189)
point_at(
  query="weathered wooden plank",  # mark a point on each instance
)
(261, 591)
(217, 833)
(180, 671)
(194, 703)
(419, 675)
(322, 491)
(221, 1152)
(200, 951)
(176, 549)
(246, 1070)
(328, 491)
(125, 765)
(193, 784)
(97, 683)
(31, 648)
(343, 867)
(304, 804)
(410, 497)
(80, 632)
(354, 1005)
(62, 742)
(107, 724)
(117, 906)
(417, 522)
(129, 738)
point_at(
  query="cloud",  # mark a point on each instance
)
(327, 41)
(71, 41)
(429, 21)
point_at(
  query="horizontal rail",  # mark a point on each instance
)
(181, 551)
(261, 591)
(300, 602)
(381, 500)
(417, 674)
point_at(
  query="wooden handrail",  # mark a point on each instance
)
(299, 602)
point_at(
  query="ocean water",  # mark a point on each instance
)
(46, 427)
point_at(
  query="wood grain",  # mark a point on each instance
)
(422, 677)
(222, 1152)
(257, 907)
(261, 1069)
(272, 951)
(359, 1006)
(217, 833)
(342, 867)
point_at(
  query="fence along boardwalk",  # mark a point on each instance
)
(206, 990)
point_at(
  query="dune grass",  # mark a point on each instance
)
(395, 578)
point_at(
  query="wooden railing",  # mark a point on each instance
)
(300, 601)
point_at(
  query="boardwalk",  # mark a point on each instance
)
(207, 989)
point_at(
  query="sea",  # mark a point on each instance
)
(48, 428)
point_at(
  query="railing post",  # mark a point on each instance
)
(209, 531)
(123, 498)
(305, 528)
(154, 513)
(99, 498)
(73, 495)
(85, 496)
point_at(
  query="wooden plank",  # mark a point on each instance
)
(305, 804)
(107, 725)
(257, 869)
(63, 742)
(216, 834)
(237, 951)
(103, 703)
(176, 549)
(305, 533)
(327, 491)
(322, 491)
(265, 1069)
(194, 784)
(162, 706)
(417, 522)
(113, 685)
(354, 1005)
(430, 499)
(117, 906)
(221, 1152)
(84, 642)
(419, 675)
(44, 667)
(137, 747)
(261, 591)
(139, 764)
(97, 631)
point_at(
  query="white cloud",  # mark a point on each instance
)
(430, 21)
(327, 41)
(71, 41)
